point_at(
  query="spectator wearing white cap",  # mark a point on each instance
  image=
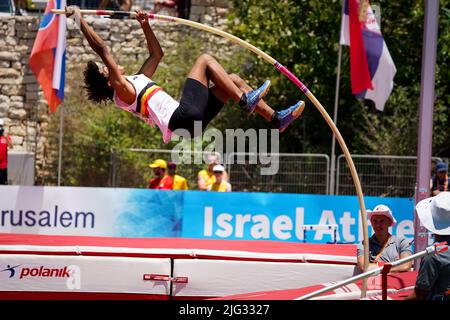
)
(433, 280)
(384, 247)
(206, 178)
(5, 143)
(219, 184)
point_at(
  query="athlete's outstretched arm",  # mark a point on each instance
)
(116, 79)
(154, 48)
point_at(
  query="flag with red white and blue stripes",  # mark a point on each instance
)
(48, 56)
(372, 69)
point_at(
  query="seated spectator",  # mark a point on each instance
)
(219, 184)
(161, 181)
(179, 183)
(440, 181)
(384, 247)
(206, 177)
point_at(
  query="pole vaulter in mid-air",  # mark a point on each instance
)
(140, 95)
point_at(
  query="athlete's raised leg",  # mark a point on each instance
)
(206, 69)
(279, 119)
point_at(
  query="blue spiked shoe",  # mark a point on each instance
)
(282, 119)
(254, 96)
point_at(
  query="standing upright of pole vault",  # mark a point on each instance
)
(426, 105)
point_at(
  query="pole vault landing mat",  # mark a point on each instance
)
(399, 286)
(75, 267)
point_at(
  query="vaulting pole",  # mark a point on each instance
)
(291, 77)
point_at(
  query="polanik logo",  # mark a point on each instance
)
(40, 271)
(12, 270)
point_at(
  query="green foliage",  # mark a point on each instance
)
(303, 36)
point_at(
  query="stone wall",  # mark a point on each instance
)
(22, 103)
(19, 91)
(210, 11)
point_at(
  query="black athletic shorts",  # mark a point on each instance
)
(197, 103)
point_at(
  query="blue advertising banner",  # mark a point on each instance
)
(90, 211)
(274, 216)
(122, 212)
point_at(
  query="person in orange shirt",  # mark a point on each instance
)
(179, 183)
(161, 181)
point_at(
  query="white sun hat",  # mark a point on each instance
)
(434, 213)
(218, 168)
(382, 210)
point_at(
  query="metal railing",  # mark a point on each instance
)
(387, 176)
(295, 173)
(391, 176)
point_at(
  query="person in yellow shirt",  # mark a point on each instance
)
(220, 184)
(179, 183)
(206, 177)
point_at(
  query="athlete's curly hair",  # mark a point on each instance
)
(96, 84)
